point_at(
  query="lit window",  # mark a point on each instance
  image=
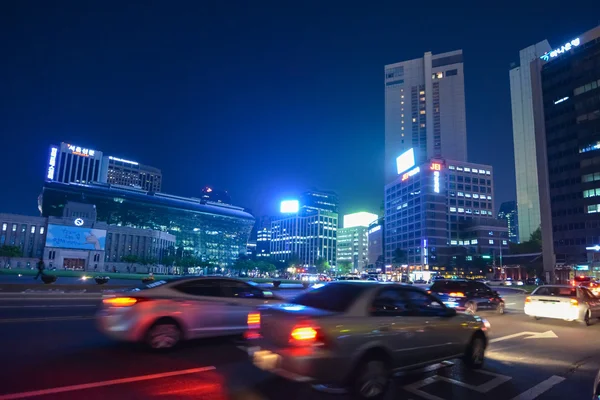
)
(475, 196)
(467, 169)
(4, 227)
(422, 112)
(440, 75)
(491, 241)
(33, 229)
(474, 241)
(451, 167)
(422, 92)
(460, 242)
(594, 208)
(488, 173)
(402, 96)
(504, 242)
(41, 230)
(14, 227)
(459, 168)
(481, 171)
(489, 197)
(452, 209)
(461, 210)
(414, 120)
(401, 102)
(453, 242)
(468, 195)
(422, 125)
(461, 194)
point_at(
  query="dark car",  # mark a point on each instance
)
(468, 296)
(535, 281)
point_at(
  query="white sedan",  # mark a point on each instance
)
(163, 313)
(563, 302)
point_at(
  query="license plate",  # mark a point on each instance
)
(266, 360)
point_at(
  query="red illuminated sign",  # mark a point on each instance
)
(436, 167)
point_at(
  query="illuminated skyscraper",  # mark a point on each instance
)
(425, 109)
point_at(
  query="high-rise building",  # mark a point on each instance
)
(438, 211)
(376, 237)
(509, 212)
(353, 241)
(71, 163)
(567, 130)
(319, 200)
(263, 237)
(130, 173)
(521, 96)
(425, 109)
(309, 234)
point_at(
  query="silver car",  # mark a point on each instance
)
(355, 334)
(163, 313)
(563, 302)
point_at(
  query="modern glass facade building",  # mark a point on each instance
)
(568, 140)
(438, 210)
(509, 212)
(521, 98)
(308, 234)
(214, 232)
(131, 173)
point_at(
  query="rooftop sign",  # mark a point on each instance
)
(556, 52)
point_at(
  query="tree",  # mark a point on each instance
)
(322, 265)
(399, 257)
(130, 258)
(7, 252)
(345, 267)
(533, 245)
(295, 261)
(265, 267)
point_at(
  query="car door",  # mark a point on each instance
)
(390, 322)
(591, 300)
(480, 294)
(440, 333)
(239, 298)
(201, 306)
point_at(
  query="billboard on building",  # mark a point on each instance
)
(405, 161)
(71, 237)
(289, 206)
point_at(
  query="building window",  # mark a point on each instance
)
(452, 72)
(453, 242)
(491, 241)
(474, 241)
(41, 230)
(4, 226)
(14, 227)
(504, 242)
(33, 229)
(452, 209)
(594, 208)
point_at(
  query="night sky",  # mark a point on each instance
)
(264, 99)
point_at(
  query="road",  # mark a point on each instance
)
(50, 349)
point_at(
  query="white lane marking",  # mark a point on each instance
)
(415, 387)
(530, 335)
(45, 319)
(52, 306)
(540, 388)
(510, 304)
(112, 382)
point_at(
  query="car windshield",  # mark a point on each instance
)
(555, 291)
(449, 286)
(335, 297)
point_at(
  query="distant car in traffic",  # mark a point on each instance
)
(356, 334)
(163, 313)
(468, 296)
(420, 281)
(563, 302)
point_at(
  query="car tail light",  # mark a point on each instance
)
(429, 292)
(253, 320)
(527, 300)
(121, 301)
(306, 335)
(456, 294)
(574, 303)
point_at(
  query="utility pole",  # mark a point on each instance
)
(502, 271)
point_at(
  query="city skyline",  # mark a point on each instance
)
(177, 126)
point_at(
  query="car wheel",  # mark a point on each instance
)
(470, 308)
(475, 353)
(163, 335)
(500, 309)
(587, 319)
(372, 379)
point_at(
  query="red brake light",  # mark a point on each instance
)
(305, 333)
(121, 301)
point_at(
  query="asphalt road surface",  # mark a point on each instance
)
(50, 349)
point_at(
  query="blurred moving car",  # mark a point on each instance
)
(563, 302)
(163, 313)
(355, 334)
(596, 390)
(468, 296)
